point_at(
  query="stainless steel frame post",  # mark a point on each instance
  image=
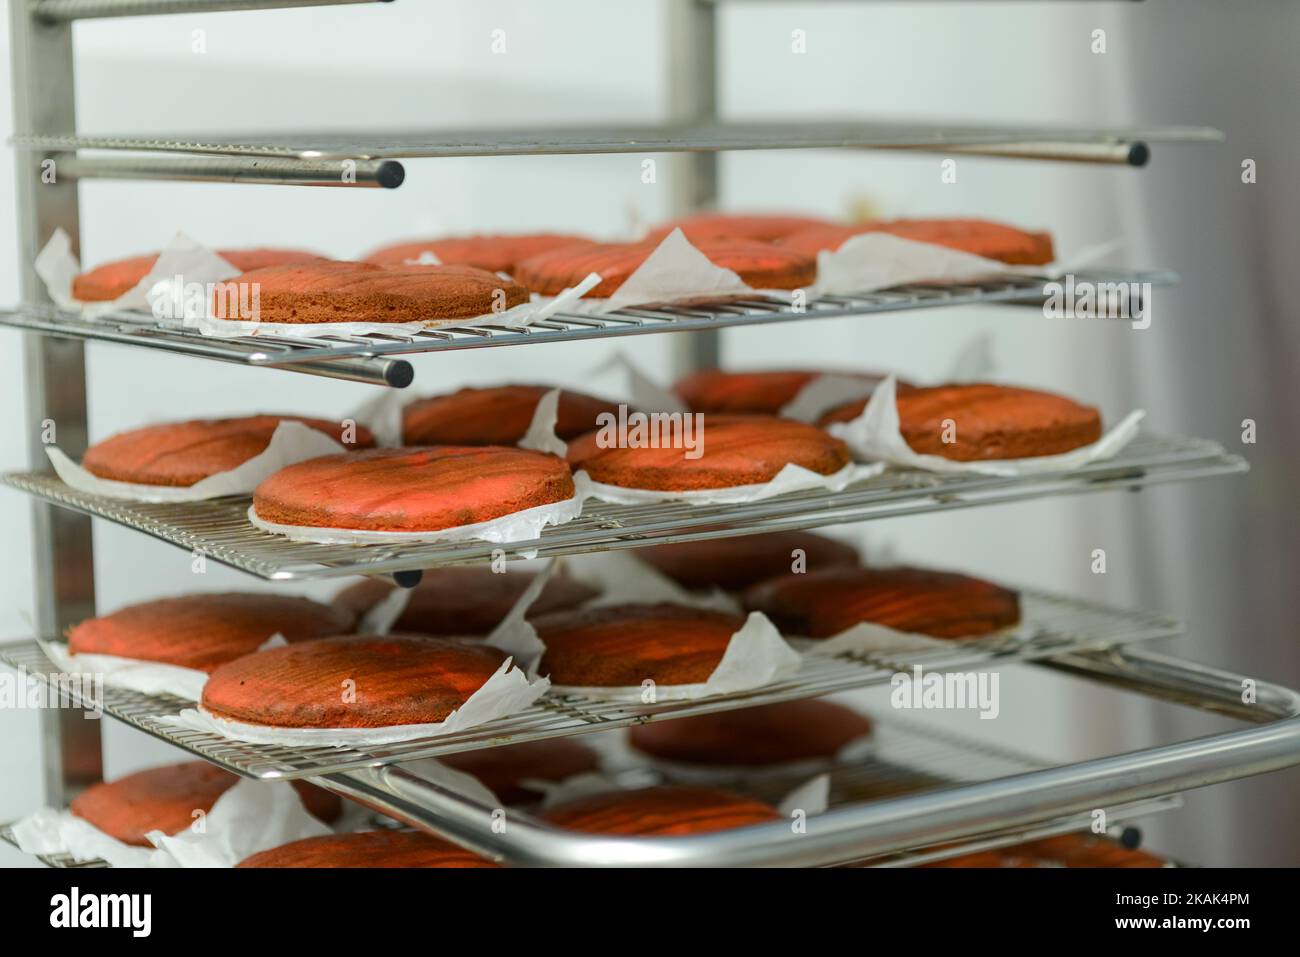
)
(55, 371)
(693, 97)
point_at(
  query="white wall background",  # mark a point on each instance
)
(571, 61)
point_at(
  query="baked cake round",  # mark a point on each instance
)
(758, 228)
(463, 601)
(761, 265)
(496, 416)
(756, 393)
(493, 253)
(505, 770)
(366, 292)
(978, 237)
(1067, 850)
(165, 799)
(368, 849)
(660, 812)
(412, 489)
(182, 453)
(618, 646)
(204, 631)
(987, 421)
(737, 450)
(770, 734)
(111, 280)
(917, 600)
(734, 564)
(397, 679)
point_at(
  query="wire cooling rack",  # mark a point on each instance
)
(906, 757)
(220, 528)
(373, 358)
(1051, 625)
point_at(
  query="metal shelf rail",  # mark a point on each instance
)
(905, 758)
(315, 158)
(220, 528)
(914, 821)
(1052, 624)
(369, 358)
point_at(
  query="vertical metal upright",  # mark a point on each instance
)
(692, 64)
(55, 379)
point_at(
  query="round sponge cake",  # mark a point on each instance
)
(166, 799)
(203, 632)
(365, 292)
(412, 489)
(395, 680)
(493, 253)
(496, 416)
(760, 265)
(368, 849)
(982, 421)
(182, 453)
(763, 736)
(920, 601)
(737, 450)
(660, 812)
(111, 280)
(624, 645)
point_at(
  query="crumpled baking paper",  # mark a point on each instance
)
(138, 674)
(523, 526)
(874, 261)
(973, 363)
(791, 478)
(251, 816)
(292, 442)
(757, 655)
(675, 272)
(58, 267)
(875, 435)
(48, 831)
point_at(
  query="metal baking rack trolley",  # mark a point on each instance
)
(922, 794)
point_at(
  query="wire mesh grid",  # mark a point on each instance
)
(220, 528)
(282, 351)
(905, 758)
(1051, 625)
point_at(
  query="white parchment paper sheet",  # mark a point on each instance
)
(251, 816)
(292, 442)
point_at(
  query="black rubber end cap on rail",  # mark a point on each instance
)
(407, 579)
(391, 174)
(1130, 838)
(399, 374)
(1139, 154)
